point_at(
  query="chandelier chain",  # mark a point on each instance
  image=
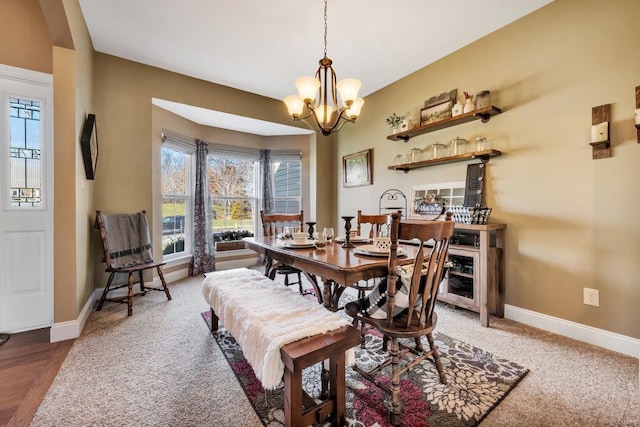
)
(325, 28)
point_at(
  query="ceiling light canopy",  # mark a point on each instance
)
(317, 101)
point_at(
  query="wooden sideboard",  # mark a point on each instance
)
(476, 279)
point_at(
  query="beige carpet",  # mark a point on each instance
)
(162, 367)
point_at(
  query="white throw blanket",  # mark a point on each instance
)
(263, 316)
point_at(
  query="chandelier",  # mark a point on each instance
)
(317, 102)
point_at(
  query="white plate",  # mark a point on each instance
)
(371, 250)
(354, 239)
(300, 245)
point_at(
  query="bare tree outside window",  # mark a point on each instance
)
(232, 183)
(175, 202)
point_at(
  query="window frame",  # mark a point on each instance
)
(189, 152)
(216, 153)
(284, 157)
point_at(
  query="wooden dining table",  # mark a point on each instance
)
(334, 266)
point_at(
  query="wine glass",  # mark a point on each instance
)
(320, 240)
(328, 234)
(287, 232)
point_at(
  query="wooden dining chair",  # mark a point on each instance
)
(274, 224)
(408, 309)
(376, 224)
(127, 249)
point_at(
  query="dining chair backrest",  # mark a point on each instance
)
(428, 268)
(378, 222)
(272, 224)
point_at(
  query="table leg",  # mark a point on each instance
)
(331, 293)
(326, 293)
(314, 283)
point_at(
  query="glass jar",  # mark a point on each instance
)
(482, 144)
(397, 160)
(437, 150)
(415, 155)
(483, 99)
(457, 146)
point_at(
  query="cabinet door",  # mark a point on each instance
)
(461, 283)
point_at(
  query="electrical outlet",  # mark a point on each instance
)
(592, 297)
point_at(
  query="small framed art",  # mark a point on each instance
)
(438, 108)
(356, 169)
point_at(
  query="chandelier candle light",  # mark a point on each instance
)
(314, 94)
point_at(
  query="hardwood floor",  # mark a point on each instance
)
(28, 365)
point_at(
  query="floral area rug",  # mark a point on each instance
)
(476, 382)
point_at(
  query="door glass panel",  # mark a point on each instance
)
(24, 152)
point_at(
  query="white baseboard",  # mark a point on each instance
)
(72, 329)
(599, 337)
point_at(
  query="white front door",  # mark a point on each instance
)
(26, 204)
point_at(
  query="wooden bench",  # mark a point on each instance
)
(329, 347)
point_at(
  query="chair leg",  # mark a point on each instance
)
(104, 293)
(395, 383)
(436, 359)
(141, 282)
(300, 283)
(362, 329)
(164, 284)
(130, 284)
(419, 346)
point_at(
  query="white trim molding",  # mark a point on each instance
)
(72, 329)
(26, 76)
(598, 337)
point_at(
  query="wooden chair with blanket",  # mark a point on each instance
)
(127, 249)
(402, 306)
(274, 224)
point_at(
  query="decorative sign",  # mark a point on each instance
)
(429, 208)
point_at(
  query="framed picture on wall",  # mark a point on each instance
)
(89, 145)
(356, 169)
(438, 108)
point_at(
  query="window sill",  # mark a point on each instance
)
(178, 260)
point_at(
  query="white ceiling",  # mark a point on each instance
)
(262, 46)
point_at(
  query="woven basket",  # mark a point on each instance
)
(470, 215)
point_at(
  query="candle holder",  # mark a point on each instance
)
(311, 230)
(347, 232)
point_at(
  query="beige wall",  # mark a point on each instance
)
(84, 209)
(25, 49)
(572, 222)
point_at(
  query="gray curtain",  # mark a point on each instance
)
(265, 177)
(203, 260)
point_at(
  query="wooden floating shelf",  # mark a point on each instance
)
(481, 155)
(483, 115)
